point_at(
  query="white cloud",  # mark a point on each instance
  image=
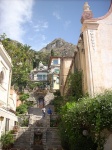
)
(13, 14)
(67, 23)
(56, 14)
(43, 37)
(39, 41)
(40, 45)
(41, 25)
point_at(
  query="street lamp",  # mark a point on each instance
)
(85, 132)
(1, 119)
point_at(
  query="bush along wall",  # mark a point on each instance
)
(83, 122)
(7, 141)
(74, 83)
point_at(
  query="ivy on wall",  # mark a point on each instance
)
(75, 84)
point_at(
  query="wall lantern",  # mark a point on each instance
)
(85, 132)
(1, 118)
(54, 80)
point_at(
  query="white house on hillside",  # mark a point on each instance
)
(40, 73)
(54, 71)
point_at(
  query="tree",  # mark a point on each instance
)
(52, 52)
(22, 60)
(3, 36)
(21, 109)
(24, 97)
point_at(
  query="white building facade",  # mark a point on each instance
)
(7, 101)
(54, 71)
(40, 73)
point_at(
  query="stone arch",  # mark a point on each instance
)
(41, 101)
(38, 137)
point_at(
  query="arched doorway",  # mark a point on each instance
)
(38, 138)
(38, 145)
(41, 101)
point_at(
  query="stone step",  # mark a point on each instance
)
(38, 111)
(35, 111)
(23, 139)
(38, 147)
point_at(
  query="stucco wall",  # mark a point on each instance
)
(4, 86)
(12, 118)
(65, 67)
(108, 144)
(12, 99)
(98, 52)
(55, 83)
(6, 67)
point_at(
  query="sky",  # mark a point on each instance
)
(39, 22)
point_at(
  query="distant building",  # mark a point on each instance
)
(7, 98)
(64, 71)
(54, 71)
(40, 73)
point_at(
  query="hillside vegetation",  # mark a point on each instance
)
(24, 59)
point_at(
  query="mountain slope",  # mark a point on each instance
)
(60, 48)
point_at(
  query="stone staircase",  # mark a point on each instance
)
(38, 147)
(23, 139)
(50, 138)
(35, 111)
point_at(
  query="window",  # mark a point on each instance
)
(56, 71)
(39, 77)
(44, 77)
(55, 62)
(1, 76)
(7, 125)
(15, 123)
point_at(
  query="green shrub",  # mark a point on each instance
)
(7, 141)
(22, 109)
(24, 97)
(54, 122)
(58, 102)
(25, 122)
(57, 93)
(75, 84)
(91, 114)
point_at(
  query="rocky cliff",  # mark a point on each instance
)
(59, 47)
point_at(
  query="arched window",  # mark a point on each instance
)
(1, 76)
